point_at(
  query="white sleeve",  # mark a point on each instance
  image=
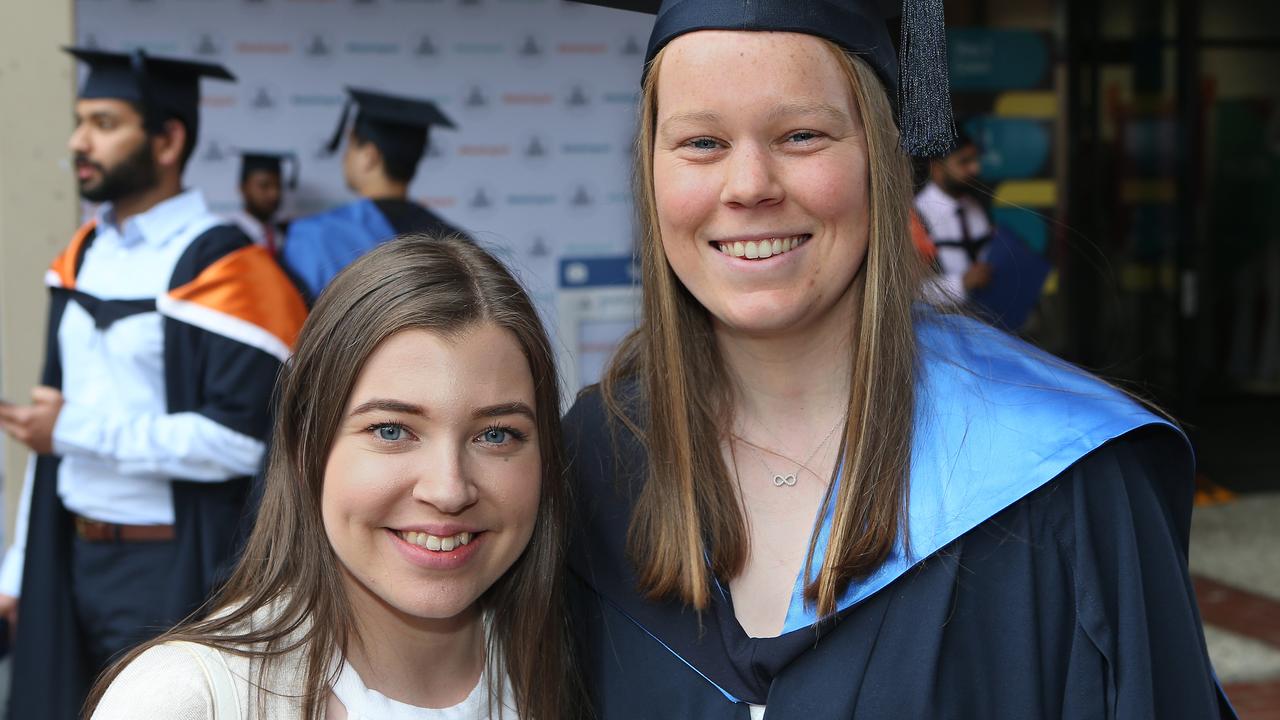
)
(186, 445)
(165, 682)
(11, 570)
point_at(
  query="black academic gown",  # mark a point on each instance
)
(1072, 601)
(205, 372)
(407, 216)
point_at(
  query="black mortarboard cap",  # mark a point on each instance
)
(163, 88)
(916, 75)
(273, 162)
(397, 125)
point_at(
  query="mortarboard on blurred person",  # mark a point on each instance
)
(399, 126)
(252, 161)
(162, 88)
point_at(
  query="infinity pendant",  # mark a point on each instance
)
(780, 480)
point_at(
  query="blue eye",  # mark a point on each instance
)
(500, 435)
(703, 144)
(802, 136)
(389, 432)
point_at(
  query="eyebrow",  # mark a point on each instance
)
(514, 407)
(97, 115)
(697, 116)
(509, 408)
(785, 110)
(808, 108)
(388, 405)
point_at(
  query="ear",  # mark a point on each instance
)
(370, 157)
(169, 142)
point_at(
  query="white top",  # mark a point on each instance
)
(180, 681)
(941, 215)
(254, 228)
(365, 704)
(119, 445)
(757, 712)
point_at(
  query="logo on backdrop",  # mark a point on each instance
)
(206, 45)
(631, 46)
(213, 152)
(475, 98)
(440, 152)
(426, 48)
(580, 198)
(530, 48)
(536, 149)
(317, 46)
(481, 199)
(263, 99)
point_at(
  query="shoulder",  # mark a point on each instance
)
(443, 227)
(588, 412)
(319, 222)
(165, 681)
(931, 198)
(1142, 479)
(314, 234)
(210, 246)
(969, 369)
(600, 446)
(592, 419)
(1129, 498)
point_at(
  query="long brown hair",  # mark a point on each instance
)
(414, 282)
(688, 512)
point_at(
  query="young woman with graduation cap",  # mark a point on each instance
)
(801, 491)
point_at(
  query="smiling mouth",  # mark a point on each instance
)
(761, 249)
(436, 543)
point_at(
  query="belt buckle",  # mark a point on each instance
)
(86, 529)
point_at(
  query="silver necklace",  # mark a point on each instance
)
(789, 479)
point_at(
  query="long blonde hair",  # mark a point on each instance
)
(688, 512)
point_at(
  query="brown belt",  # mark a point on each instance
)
(94, 531)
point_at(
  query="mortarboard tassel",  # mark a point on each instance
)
(924, 94)
(336, 140)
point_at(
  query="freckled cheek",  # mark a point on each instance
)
(832, 193)
(684, 200)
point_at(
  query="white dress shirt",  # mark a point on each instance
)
(942, 215)
(119, 445)
(256, 231)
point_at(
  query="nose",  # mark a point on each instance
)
(443, 481)
(79, 140)
(750, 178)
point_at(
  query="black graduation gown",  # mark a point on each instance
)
(406, 216)
(1072, 602)
(205, 372)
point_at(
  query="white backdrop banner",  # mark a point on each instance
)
(543, 93)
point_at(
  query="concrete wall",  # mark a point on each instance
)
(38, 204)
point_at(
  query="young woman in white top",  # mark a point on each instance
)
(406, 561)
